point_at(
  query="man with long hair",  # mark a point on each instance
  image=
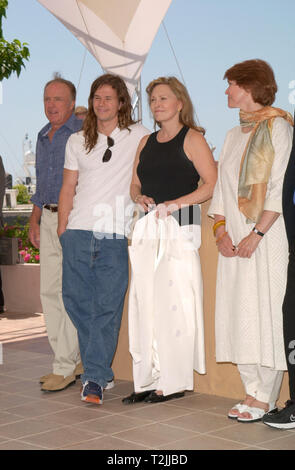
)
(93, 206)
(59, 103)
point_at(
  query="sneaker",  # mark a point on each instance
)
(283, 419)
(110, 384)
(92, 393)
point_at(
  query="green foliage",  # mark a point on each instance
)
(12, 54)
(3, 7)
(23, 196)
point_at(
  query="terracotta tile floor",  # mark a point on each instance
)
(31, 419)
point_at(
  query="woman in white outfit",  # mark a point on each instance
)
(251, 239)
(167, 169)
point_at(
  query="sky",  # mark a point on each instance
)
(208, 37)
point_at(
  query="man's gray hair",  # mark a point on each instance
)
(57, 78)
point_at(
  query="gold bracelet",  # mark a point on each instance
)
(221, 236)
(218, 224)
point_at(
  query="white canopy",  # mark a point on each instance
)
(118, 33)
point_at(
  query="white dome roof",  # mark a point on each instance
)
(29, 157)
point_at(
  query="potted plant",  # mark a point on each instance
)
(15, 245)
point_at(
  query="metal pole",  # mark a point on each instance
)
(137, 102)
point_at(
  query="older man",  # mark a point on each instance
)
(59, 104)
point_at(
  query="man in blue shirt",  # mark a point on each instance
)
(59, 103)
(285, 418)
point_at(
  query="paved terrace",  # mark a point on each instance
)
(34, 420)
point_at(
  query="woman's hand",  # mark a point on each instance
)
(145, 202)
(225, 245)
(166, 208)
(248, 245)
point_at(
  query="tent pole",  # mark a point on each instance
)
(137, 102)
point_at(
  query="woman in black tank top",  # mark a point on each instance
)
(170, 162)
(168, 167)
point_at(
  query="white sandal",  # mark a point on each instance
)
(241, 409)
(256, 414)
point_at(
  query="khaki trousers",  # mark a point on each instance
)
(62, 334)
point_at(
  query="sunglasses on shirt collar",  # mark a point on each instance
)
(108, 153)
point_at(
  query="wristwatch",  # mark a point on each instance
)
(257, 231)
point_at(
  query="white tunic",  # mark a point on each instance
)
(250, 292)
(166, 331)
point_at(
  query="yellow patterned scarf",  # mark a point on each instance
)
(257, 160)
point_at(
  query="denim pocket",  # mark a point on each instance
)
(62, 235)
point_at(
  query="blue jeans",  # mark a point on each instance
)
(95, 279)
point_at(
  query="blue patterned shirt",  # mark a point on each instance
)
(50, 157)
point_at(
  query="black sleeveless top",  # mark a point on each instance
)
(166, 173)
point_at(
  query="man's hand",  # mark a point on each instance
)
(34, 229)
(34, 234)
(60, 231)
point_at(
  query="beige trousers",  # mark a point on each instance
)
(62, 334)
(261, 382)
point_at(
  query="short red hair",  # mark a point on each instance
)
(255, 76)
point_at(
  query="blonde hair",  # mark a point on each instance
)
(186, 115)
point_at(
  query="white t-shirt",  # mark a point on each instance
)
(102, 202)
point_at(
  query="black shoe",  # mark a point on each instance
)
(283, 419)
(136, 397)
(155, 398)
